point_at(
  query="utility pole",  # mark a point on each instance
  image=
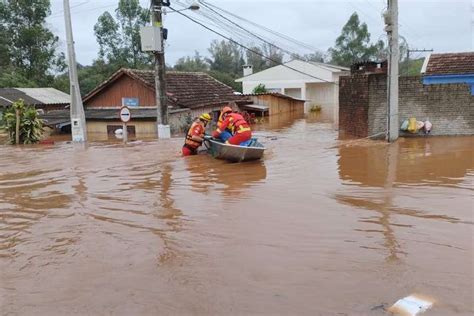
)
(391, 21)
(78, 120)
(160, 80)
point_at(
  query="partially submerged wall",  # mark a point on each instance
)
(449, 107)
(353, 106)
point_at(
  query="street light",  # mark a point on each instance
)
(193, 7)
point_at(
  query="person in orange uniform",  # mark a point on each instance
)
(226, 134)
(239, 127)
(195, 135)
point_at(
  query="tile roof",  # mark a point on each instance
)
(184, 89)
(450, 64)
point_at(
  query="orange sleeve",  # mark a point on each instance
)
(226, 123)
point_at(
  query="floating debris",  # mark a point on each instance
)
(411, 305)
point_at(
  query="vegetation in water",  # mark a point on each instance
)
(31, 126)
(315, 108)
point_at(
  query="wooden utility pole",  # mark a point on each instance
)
(160, 80)
(391, 21)
(78, 120)
(17, 127)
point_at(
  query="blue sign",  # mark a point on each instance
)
(130, 102)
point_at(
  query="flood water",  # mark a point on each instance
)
(321, 226)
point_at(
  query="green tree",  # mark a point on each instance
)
(31, 126)
(260, 88)
(192, 64)
(12, 79)
(226, 57)
(255, 57)
(274, 55)
(89, 76)
(31, 47)
(119, 39)
(316, 57)
(353, 45)
(227, 79)
(4, 47)
(411, 67)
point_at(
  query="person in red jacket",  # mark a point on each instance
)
(195, 135)
(237, 125)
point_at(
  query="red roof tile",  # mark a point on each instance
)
(451, 63)
(184, 89)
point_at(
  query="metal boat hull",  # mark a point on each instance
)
(234, 153)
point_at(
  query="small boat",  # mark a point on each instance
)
(234, 153)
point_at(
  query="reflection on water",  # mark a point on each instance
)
(435, 161)
(232, 179)
(135, 229)
(408, 163)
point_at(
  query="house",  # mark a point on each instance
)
(45, 99)
(449, 68)
(189, 94)
(317, 83)
(273, 103)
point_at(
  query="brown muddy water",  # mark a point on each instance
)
(319, 227)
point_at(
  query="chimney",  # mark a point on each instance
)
(248, 70)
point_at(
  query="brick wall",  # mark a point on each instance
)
(353, 105)
(449, 107)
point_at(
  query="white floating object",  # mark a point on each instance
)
(411, 305)
(118, 131)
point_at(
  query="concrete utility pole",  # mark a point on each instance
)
(160, 80)
(391, 21)
(78, 120)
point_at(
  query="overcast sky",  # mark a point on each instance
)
(443, 25)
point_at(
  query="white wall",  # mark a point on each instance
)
(322, 94)
(293, 92)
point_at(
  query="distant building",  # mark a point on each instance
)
(449, 68)
(369, 67)
(273, 103)
(318, 87)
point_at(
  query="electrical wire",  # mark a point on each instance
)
(58, 15)
(283, 36)
(235, 30)
(246, 30)
(249, 49)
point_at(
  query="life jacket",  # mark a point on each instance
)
(237, 123)
(193, 129)
(220, 120)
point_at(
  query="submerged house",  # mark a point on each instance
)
(316, 83)
(449, 68)
(189, 94)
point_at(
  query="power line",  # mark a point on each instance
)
(59, 15)
(253, 34)
(249, 49)
(288, 38)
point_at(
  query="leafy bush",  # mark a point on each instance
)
(31, 126)
(315, 108)
(259, 89)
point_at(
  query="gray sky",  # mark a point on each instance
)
(444, 25)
